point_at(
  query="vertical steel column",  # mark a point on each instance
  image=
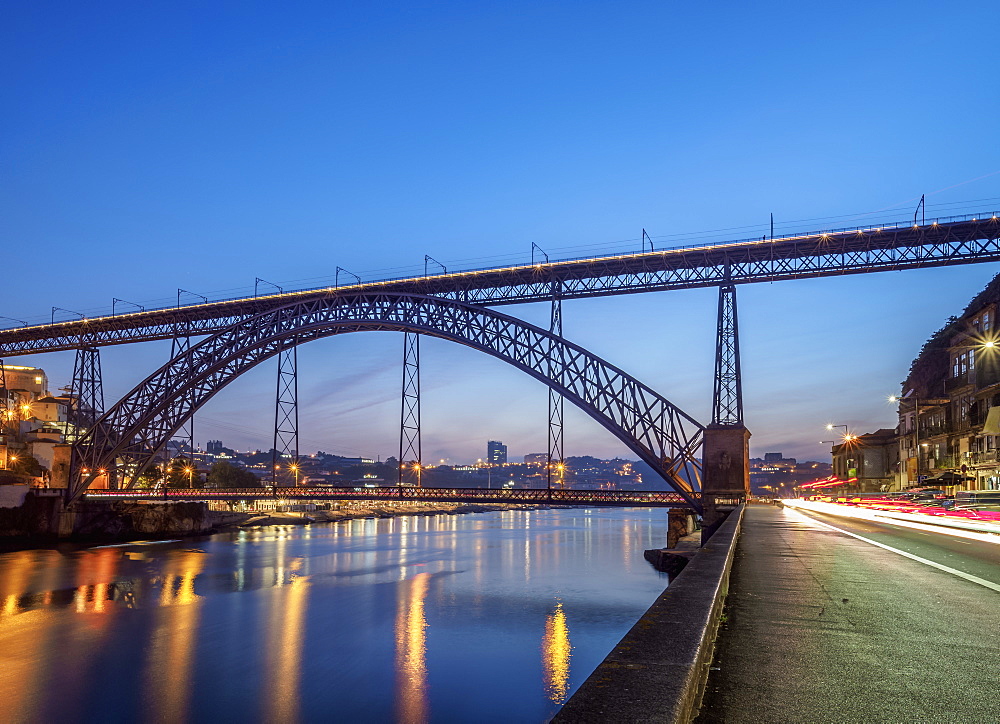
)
(4, 407)
(180, 344)
(556, 401)
(409, 428)
(87, 390)
(86, 405)
(286, 413)
(727, 398)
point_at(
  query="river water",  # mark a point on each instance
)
(491, 617)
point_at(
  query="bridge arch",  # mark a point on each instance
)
(142, 422)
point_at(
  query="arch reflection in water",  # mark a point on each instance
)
(411, 651)
(556, 652)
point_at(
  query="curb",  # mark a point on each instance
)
(658, 671)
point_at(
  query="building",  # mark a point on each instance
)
(949, 409)
(33, 428)
(867, 463)
(496, 452)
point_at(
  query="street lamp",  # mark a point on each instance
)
(294, 467)
(190, 473)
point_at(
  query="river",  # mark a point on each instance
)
(491, 617)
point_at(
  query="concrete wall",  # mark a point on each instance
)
(658, 672)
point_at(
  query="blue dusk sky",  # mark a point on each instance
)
(152, 146)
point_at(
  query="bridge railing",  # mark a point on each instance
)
(597, 253)
(397, 494)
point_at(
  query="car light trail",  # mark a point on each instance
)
(958, 529)
(947, 569)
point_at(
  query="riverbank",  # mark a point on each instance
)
(106, 523)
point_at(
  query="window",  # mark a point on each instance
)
(972, 360)
(986, 321)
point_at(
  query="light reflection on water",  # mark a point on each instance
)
(415, 619)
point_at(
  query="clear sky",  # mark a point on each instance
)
(150, 146)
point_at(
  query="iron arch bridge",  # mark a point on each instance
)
(141, 423)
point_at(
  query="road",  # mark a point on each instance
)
(831, 619)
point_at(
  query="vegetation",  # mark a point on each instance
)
(227, 475)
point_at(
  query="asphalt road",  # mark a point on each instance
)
(826, 625)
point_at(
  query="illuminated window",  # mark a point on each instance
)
(38, 380)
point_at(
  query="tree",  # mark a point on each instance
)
(227, 475)
(149, 477)
(181, 474)
(26, 465)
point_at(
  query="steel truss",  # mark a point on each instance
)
(410, 452)
(4, 408)
(86, 407)
(286, 416)
(887, 248)
(661, 434)
(179, 345)
(541, 496)
(727, 397)
(555, 463)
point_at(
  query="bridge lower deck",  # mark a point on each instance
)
(535, 496)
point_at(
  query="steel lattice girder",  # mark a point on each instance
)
(541, 496)
(817, 255)
(727, 399)
(141, 422)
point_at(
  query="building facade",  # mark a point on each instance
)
(949, 409)
(496, 452)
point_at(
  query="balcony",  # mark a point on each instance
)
(953, 383)
(989, 456)
(944, 462)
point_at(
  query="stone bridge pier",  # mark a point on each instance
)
(725, 474)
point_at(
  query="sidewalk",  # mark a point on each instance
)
(822, 627)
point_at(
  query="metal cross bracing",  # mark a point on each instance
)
(657, 431)
(540, 496)
(555, 462)
(184, 437)
(885, 248)
(86, 407)
(727, 397)
(410, 453)
(86, 391)
(6, 418)
(4, 407)
(285, 450)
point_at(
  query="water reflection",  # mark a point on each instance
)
(168, 678)
(556, 652)
(411, 650)
(461, 618)
(286, 631)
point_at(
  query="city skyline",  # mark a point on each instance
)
(263, 146)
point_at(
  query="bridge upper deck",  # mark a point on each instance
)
(957, 240)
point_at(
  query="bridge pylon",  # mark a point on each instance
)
(557, 405)
(726, 447)
(409, 424)
(286, 417)
(86, 405)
